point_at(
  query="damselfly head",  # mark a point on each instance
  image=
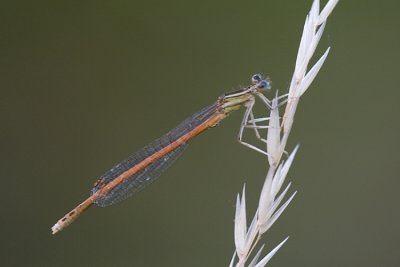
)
(260, 83)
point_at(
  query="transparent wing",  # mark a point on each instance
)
(140, 180)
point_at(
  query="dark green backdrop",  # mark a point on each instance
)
(85, 84)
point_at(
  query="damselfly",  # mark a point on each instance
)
(144, 166)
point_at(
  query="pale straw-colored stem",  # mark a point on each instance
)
(270, 205)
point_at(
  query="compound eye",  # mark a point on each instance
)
(256, 78)
(264, 84)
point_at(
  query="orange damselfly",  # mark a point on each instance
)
(144, 166)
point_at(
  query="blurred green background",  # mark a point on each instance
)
(84, 84)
